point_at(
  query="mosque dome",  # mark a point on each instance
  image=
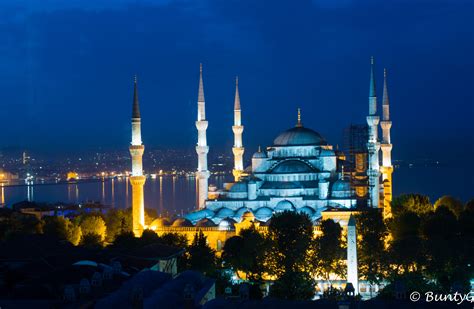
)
(159, 223)
(264, 213)
(259, 154)
(292, 166)
(224, 213)
(205, 223)
(248, 215)
(200, 214)
(181, 222)
(306, 210)
(226, 224)
(341, 185)
(284, 205)
(240, 212)
(299, 136)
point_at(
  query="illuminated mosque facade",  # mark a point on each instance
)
(300, 171)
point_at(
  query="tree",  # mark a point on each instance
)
(93, 224)
(371, 231)
(149, 237)
(294, 285)
(291, 234)
(444, 249)
(91, 241)
(57, 226)
(201, 257)
(451, 203)
(117, 221)
(329, 252)
(174, 240)
(417, 203)
(405, 250)
(75, 234)
(247, 253)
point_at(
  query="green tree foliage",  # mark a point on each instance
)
(118, 221)
(91, 241)
(75, 234)
(21, 224)
(201, 257)
(174, 240)
(294, 285)
(371, 232)
(93, 224)
(417, 203)
(329, 251)
(455, 205)
(446, 260)
(247, 253)
(406, 247)
(291, 236)
(57, 226)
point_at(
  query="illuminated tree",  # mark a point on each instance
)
(57, 226)
(118, 221)
(372, 257)
(406, 247)
(75, 234)
(93, 224)
(247, 253)
(291, 235)
(450, 202)
(417, 203)
(329, 252)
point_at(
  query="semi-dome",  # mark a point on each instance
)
(306, 210)
(259, 155)
(284, 205)
(205, 223)
(299, 136)
(159, 223)
(224, 213)
(292, 166)
(264, 213)
(240, 212)
(182, 222)
(200, 214)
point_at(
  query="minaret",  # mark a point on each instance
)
(298, 123)
(237, 128)
(352, 268)
(373, 145)
(387, 168)
(202, 149)
(137, 179)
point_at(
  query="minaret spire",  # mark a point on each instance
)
(238, 129)
(373, 145)
(298, 123)
(137, 179)
(136, 106)
(386, 146)
(202, 149)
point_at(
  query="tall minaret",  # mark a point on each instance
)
(373, 145)
(137, 179)
(202, 149)
(352, 267)
(237, 128)
(387, 168)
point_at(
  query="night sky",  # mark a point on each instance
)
(66, 71)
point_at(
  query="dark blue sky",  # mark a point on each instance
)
(66, 70)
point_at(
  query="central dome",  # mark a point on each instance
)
(299, 136)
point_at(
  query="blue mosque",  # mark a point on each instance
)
(299, 171)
